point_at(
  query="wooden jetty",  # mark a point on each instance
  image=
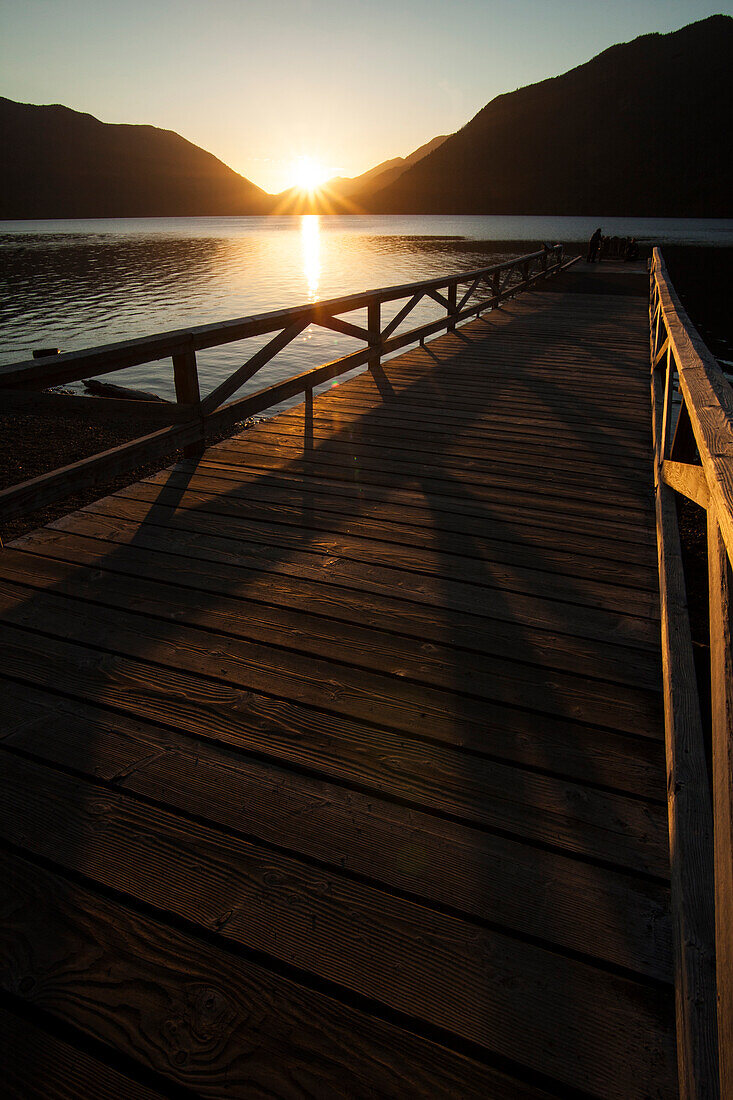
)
(333, 756)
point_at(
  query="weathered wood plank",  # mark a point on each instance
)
(537, 399)
(496, 506)
(360, 649)
(559, 812)
(470, 440)
(38, 1065)
(687, 480)
(260, 593)
(186, 377)
(709, 400)
(511, 519)
(220, 1024)
(497, 435)
(419, 509)
(444, 413)
(437, 462)
(532, 608)
(386, 718)
(617, 917)
(633, 525)
(369, 696)
(232, 518)
(535, 394)
(292, 501)
(471, 982)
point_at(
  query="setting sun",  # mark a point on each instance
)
(308, 174)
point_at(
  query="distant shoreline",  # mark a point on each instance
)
(494, 232)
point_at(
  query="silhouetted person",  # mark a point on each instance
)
(632, 250)
(594, 246)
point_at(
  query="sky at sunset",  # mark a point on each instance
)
(346, 83)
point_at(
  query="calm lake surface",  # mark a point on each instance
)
(77, 284)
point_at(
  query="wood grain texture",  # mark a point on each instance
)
(687, 480)
(417, 508)
(620, 918)
(514, 523)
(216, 1023)
(186, 378)
(477, 566)
(624, 708)
(720, 585)
(333, 761)
(377, 469)
(565, 814)
(413, 630)
(529, 603)
(38, 1065)
(455, 976)
(579, 754)
(467, 535)
(464, 468)
(440, 445)
(690, 818)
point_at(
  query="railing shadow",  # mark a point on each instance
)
(239, 719)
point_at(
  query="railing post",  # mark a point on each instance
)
(186, 377)
(308, 424)
(720, 586)
(452, 306)
(374, 325)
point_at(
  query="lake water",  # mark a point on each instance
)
(77, 284)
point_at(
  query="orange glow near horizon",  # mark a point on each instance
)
(308, 174)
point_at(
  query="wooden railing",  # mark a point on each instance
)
(193, 419)
(693, 443)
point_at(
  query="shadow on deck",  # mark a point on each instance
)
(334, 761)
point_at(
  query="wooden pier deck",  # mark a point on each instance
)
(333, 761)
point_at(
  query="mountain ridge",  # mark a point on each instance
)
(61, 163)
(607, 134)
(625, 133)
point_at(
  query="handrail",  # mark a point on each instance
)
(71, 366)
(203, 417)
(694, 457)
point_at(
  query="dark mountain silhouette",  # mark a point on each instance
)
(642, 129)
(58, 163)
(343, 193)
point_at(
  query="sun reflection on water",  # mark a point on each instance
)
(310, 239)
